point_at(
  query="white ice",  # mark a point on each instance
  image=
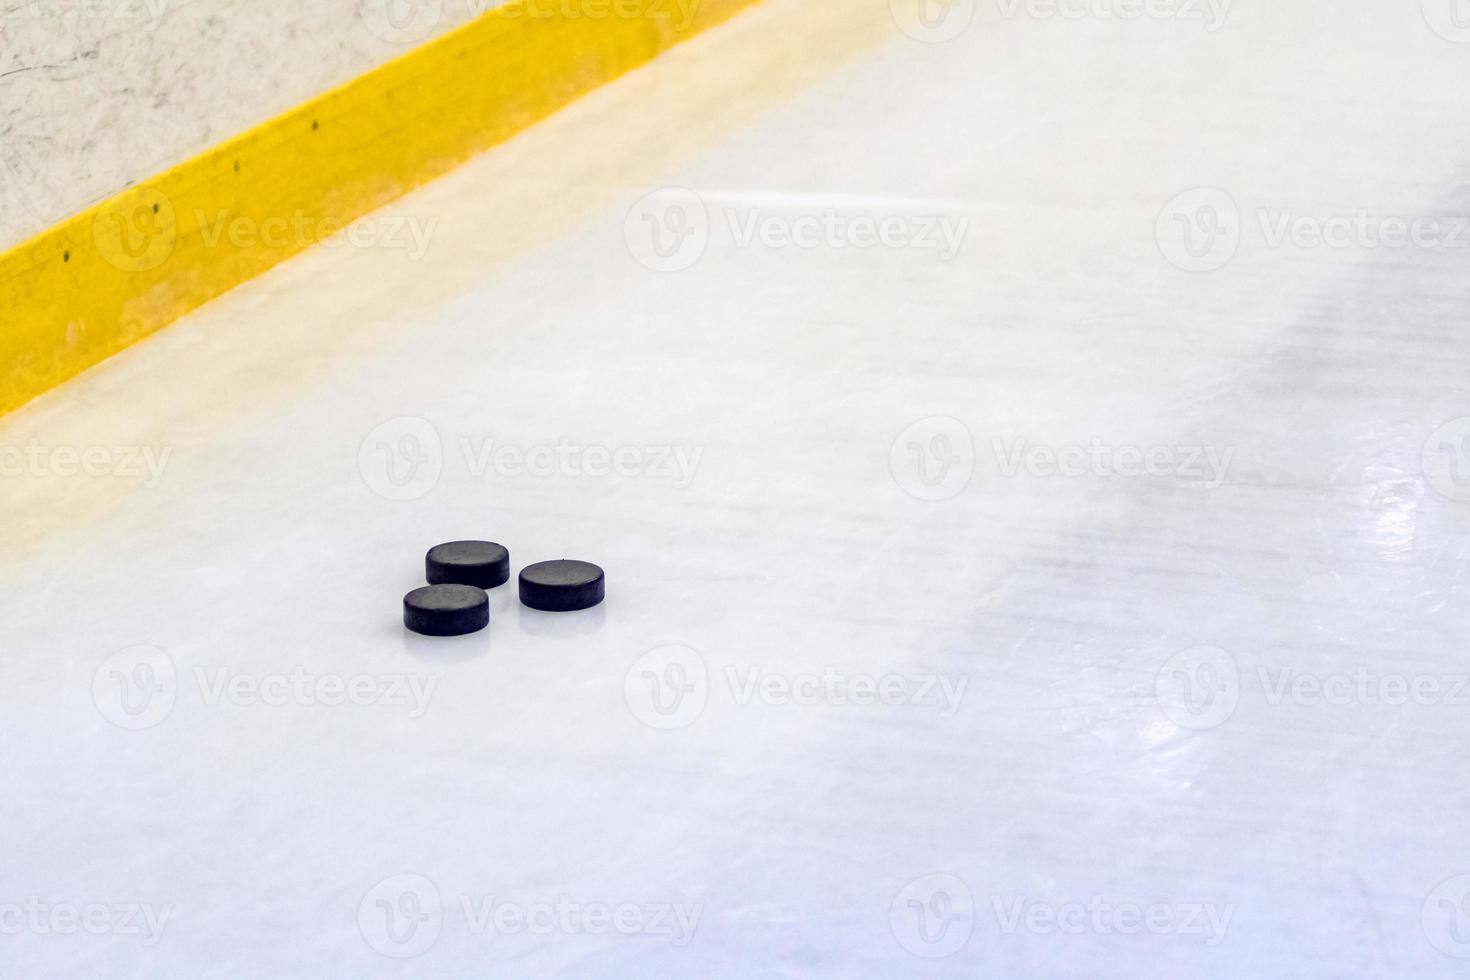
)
(1196, 710)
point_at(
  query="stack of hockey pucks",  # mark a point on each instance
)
(456, 601)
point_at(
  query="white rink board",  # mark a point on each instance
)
(1080, 813)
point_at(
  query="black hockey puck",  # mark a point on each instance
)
(562, 586)
(446, 610)
(483, 564)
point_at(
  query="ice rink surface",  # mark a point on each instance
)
(1032, 469)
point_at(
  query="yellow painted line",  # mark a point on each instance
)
(122, 270)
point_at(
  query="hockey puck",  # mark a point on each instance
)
(446, 610)
(483, 564)
(562, 586)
